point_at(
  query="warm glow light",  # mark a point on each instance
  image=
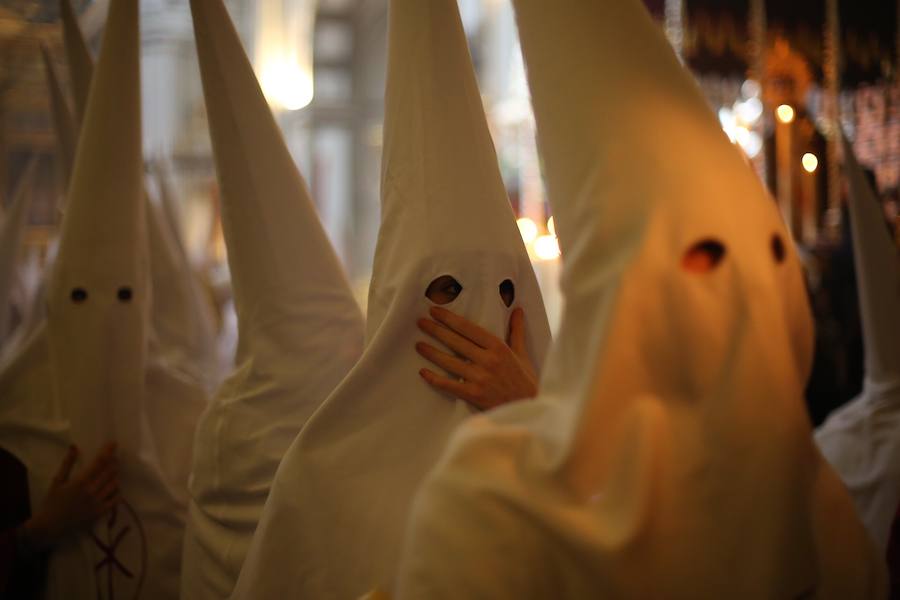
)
(287, 85)
(528, 229)
(283, 51)
(810, 162)
(785, 113)
(546, 247)
(551, 226)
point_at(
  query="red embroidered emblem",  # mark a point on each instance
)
(122, 546)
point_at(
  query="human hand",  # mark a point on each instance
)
(73, 504)
(489, 371)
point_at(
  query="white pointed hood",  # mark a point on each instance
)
(878, 276)
(81, 63)
(97, 309)
(333, 524)
(300, 329)
(175, 374)
(180, 323)
(63, 121)
(862, 438)
(12, 230)
(669, 452)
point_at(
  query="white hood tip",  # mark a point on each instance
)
(877, 276)
(278, 251)
(104, 217)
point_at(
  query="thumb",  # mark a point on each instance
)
(517, 333)
(65, 468)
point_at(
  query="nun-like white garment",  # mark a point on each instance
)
(300, 329)
(333, 524)
(79, 378)
(12, 230)
(669, 454)
(862, 439)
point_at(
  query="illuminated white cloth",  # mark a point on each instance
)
(333, 524)
(300, 329)
(862, 438)
(669, 454)
(79, 378)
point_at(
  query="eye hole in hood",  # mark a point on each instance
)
(778, 250)
(443, 289)
(703, 256)
(124, 294)
(78, 295)
(508, 292)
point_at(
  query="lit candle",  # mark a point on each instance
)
(809, 228)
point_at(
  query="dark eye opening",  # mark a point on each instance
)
(124, 294)
(508, 292)
(778, 249)
(78, 295)
(443, 290)
(704, 256)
